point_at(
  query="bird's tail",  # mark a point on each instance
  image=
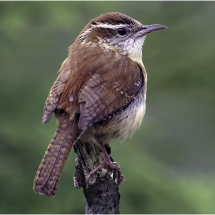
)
(51, 166)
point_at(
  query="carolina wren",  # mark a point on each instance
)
(99, 94)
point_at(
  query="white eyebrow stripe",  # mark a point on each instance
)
(111, 26)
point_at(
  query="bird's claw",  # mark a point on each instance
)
(105, 163)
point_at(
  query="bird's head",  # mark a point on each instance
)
(117, 32)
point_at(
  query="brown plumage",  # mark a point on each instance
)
(99, 94)
(50, 169)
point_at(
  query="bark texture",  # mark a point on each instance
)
(101, 191)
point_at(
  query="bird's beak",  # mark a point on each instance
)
(149, 28)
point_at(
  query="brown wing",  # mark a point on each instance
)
(55, 91)
(101, 98)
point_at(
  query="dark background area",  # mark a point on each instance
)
(169, 162)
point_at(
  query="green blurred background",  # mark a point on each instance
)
(169, 162)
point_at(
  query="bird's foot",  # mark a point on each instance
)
(106, 163)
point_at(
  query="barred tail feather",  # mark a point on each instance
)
(51, 166)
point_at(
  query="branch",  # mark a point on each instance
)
(101, 192)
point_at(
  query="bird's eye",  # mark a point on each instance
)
(121, 31)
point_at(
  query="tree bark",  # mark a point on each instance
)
(101, 191)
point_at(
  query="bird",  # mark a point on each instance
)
(99, 95)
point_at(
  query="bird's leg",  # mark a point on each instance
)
(106, 162)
